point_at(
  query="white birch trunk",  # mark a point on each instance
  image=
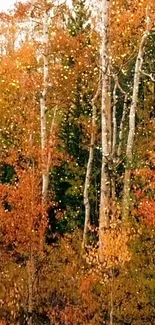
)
(105, 184)
(114, 139)
(50, 142)
(45, 174)
(114, 122)
(120, 136)
(89, 169)
(129, 149)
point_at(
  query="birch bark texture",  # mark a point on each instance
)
(130, 140)
(105, 131)
(121, 127)
(45, 174)
(114, 122)
(89, 167)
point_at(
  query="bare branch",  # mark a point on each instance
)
(150, 75)
(97, 91)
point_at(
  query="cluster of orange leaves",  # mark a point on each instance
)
(145, 196)
(22, 216)
(128, 19)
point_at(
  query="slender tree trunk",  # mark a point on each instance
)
(111, 297)
(116, 153)
(109, 109)
(114, 122)
(129, 149)
(120, 136)
(50, 142)
(30, 272)
(49, 157)
(45, 174)
(105, 132)
(89, 168)
(114, 139)
(153, 113)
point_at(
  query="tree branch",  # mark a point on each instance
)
(150, 75)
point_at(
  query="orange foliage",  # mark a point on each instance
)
(146, 210)
(145, 196)
(22, 218)
(128, 22)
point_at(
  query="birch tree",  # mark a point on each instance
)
(116, 153)
(105, 127)
(130, 140)
(121, 127)
(89, 167)
(45, 174)
(48, 15)
(114, 138)
(114, 122)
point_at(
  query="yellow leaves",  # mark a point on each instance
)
(115, 246)
(15, 83)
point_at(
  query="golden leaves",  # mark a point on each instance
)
(115, 249)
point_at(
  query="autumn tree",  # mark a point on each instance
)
(23, 224)
(129, 149)
(68, 91)
(75, 125)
